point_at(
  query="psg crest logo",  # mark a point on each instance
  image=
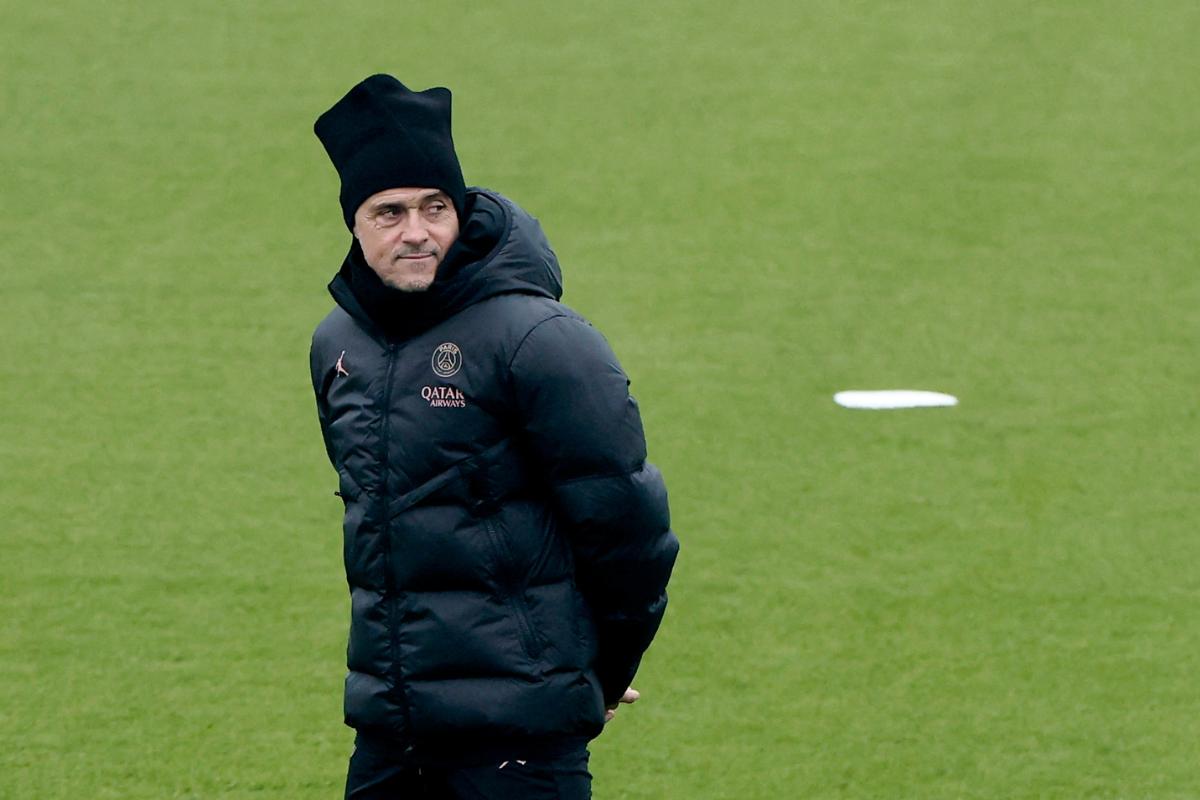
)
(447, 360)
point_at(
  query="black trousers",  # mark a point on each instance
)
(376, 774)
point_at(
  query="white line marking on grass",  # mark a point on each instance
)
(894, 398)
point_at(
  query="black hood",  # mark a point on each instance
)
(500, 249)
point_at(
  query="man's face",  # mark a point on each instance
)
(404, 235)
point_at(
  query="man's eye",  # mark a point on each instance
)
(437, 208)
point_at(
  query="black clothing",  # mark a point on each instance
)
(382, 135)
(376, 773)
(507, 545)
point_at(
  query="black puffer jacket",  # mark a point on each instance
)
(506, 544)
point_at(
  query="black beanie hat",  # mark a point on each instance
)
(382, 135)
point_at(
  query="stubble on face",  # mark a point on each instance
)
(404, 235)
(409, 273)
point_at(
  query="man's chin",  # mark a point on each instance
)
(410, 286)
(408, 283)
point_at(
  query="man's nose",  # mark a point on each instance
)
(413, 231)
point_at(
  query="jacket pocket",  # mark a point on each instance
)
(353, 515)
(510, 583)
(347, 489)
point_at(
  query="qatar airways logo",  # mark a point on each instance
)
(443, 397)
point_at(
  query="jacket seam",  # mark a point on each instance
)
(525, 338)
(600, 477)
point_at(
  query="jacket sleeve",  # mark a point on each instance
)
(585, 433)
(316, 370)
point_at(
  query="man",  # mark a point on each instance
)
(506, 544)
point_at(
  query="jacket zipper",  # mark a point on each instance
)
(385, 532)
(513, 595)
(385, 468)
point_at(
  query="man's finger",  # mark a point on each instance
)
(631, 695)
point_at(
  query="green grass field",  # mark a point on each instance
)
(760, 204)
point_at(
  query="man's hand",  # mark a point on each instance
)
(631, 695)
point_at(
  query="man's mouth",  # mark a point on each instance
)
(414, 256)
